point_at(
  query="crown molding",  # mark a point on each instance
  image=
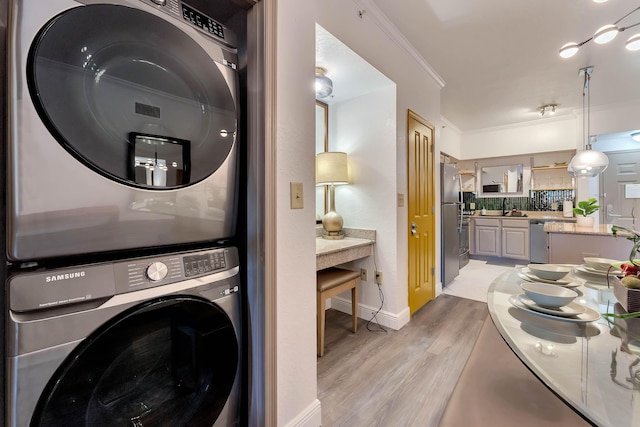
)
(383, 22)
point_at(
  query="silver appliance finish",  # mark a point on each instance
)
(52, 313)
(539, 243)
(464, 241)
(451, 208)
(61, 202)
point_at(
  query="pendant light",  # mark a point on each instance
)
(587, 163)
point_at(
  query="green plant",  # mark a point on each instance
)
(586, 207)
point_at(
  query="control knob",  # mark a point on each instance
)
(156, 271)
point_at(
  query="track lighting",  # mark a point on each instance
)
(605, 35)
(549, 107)
(324, 85)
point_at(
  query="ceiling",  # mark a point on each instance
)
(499, 58)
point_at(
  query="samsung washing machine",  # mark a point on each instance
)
(139, 342)
(123, 122)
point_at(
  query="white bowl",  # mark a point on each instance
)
(602, 264)
(549, 271)
(547, 295)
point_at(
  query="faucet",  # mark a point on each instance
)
(504, 202)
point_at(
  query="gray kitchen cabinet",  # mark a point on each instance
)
(515, 239)
(487, 236)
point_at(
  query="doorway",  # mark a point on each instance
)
(421, 211)
(619, 202)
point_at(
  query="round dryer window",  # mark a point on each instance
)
(132, 96)
(169, 362)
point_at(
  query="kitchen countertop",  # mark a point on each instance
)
(569, 228)
(531, 215)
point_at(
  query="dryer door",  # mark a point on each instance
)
(172, 361)
(132, 96)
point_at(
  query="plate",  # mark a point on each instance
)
(532, 276)
(573, 284)
(600, 275)
(588, 316)
(571, 309)
(596, 271)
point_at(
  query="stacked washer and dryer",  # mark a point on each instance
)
(123, 121)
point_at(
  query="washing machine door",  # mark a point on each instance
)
(132, 96)
(170, 362)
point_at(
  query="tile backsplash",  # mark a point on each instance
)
(538, 200)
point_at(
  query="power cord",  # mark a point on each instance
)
(370, 323)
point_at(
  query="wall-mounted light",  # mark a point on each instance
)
(324, 85)
(550, 108)
(636, 136)
(605, 35)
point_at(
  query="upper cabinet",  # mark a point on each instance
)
(554, 177)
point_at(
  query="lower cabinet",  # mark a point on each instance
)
(501, 237)
(487, 237)
(515, 239)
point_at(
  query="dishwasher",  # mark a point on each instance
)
(538, 243)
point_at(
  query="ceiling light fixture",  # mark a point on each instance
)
(324, 85)
(636, 136)
(551, 107)
(587, 163)
(605, 35)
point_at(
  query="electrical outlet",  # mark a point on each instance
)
(379, 277)
(363, 274)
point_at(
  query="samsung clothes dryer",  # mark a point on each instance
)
(123, 121)
(139, 342)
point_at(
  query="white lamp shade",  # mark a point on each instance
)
(605, 34)
(588, 163)
(332, 168)
(633, 44)
(569, 49)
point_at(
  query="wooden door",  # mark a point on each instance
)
(615, 208)
(421, 211)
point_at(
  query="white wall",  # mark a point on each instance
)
(296, 294)
(541, 136)
(367, 135)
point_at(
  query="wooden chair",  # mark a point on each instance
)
(332, 282)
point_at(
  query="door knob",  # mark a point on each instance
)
(414, 225)
(414, 233)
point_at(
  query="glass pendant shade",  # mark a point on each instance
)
(588, 163)
(324, 85)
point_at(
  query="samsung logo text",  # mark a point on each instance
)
(66, 276)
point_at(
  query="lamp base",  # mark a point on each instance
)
(334, 235)
(332, 224)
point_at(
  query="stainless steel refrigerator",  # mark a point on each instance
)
(451, 209)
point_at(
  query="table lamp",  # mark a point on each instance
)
(332, 170)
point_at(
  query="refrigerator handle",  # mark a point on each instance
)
(460, 217)
(460, 188)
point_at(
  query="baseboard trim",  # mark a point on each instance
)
(310, 417)
(385, 318)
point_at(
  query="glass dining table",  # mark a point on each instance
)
(592, 362)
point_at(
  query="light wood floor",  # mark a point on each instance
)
(399, 378)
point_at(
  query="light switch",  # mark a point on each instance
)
(297, 201)
(400, 200)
